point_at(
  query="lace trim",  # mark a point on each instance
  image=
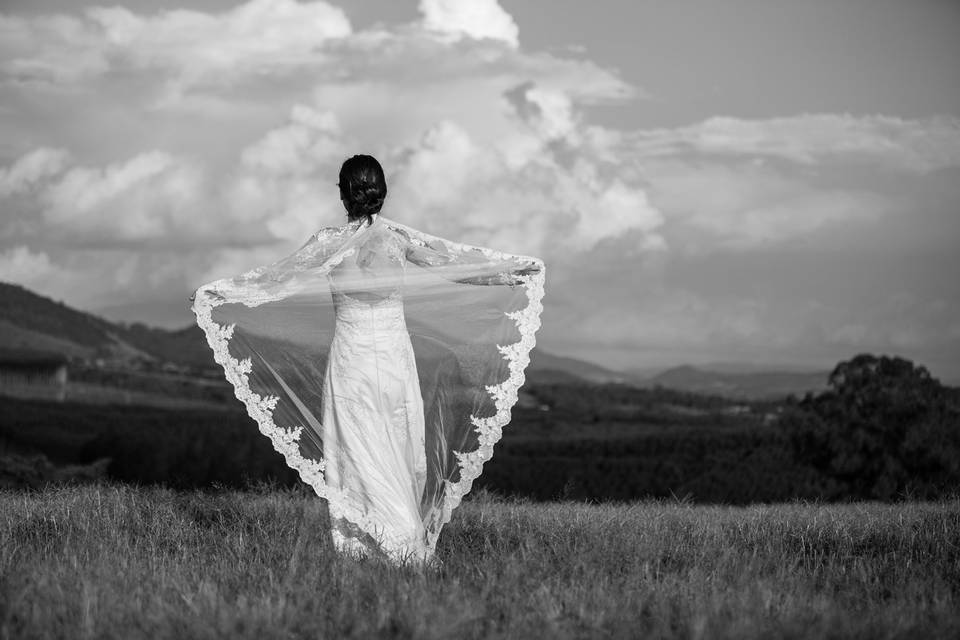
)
(285, 441)
(517, 355)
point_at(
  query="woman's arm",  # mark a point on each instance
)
(437, 254)
(277, 279)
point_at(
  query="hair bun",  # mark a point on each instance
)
(365, 201)
(363, 187)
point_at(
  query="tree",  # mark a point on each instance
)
(884, 427)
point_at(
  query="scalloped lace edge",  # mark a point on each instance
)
(284, 441)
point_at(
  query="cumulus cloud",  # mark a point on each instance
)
(533, 202)
(97, 278)
(475, 19)
(82, 283)
(149, 152)
(30, 169)
(550, 111)
(500, 122)
(257, 35)
(513, 191)
(150, 196)
(151, 199)
(20, 264)
(744, 205)
(49, 49)
(729, 183)
(309, 140)
(287, 177)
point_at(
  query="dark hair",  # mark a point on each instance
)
(363, 186)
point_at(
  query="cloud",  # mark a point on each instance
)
(93, 278)
(193, 45)
(19, 264)
(54, 48)
(146, 153)
(514, 191)
(475, 19)
(30, 169)
(150, 196)
(81, 282)
(287, 178)
(149, 200)
(307, 141)
(734, 184)
(550, 111)
(516, 116)
(744, 205)
(919, 145)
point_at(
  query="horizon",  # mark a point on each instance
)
(713, 366)
(703, 188)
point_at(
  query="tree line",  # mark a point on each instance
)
(883, 429)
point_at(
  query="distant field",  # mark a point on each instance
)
(122, 562)
(629, 451)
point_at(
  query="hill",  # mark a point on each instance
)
(547, 368)
(30, 321)
(749, 385)
(33, 322)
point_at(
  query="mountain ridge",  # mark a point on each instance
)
(35, 322)
(750, 385)
(32, 321)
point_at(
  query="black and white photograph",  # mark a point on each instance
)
(469, 319)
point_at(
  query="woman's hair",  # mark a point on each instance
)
(363, 186)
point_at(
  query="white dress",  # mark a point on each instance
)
(374, 439)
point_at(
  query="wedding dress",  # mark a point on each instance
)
(382, 362)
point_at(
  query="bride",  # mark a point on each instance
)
(377, 366)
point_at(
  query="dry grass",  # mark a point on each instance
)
(124, 562)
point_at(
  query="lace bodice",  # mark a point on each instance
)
(366, 320)
(374, 269)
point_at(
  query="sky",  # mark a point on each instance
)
(760, 181)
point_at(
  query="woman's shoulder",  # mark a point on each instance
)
(324, 236)
(326, 233)
(402, 232)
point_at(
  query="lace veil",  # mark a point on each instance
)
(470, 313)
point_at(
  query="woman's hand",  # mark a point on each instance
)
(517, 275)
(213, 295)
(528, 268)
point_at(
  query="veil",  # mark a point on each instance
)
(382, 362)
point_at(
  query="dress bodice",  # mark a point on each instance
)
(367, 284)
(366, 319)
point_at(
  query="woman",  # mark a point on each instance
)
(412, 368)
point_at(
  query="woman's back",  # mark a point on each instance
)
(372, 271)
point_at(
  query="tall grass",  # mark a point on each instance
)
(125, 562)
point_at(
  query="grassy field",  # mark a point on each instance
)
(121, 562)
